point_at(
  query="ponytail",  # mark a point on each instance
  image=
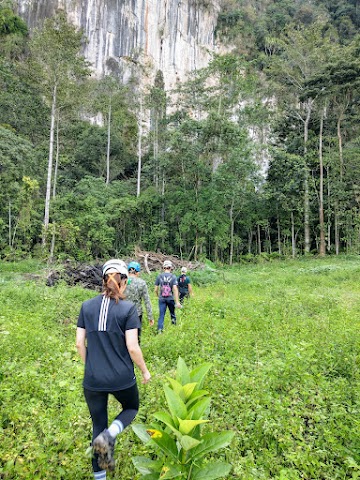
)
(112, 283)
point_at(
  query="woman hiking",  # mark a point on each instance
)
(107, 342)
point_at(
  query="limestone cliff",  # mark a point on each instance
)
(138, 36)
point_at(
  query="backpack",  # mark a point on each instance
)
(165, 287)
(182, 280)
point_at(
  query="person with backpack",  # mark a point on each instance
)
(167, 290)
(137, 291)
(184, 285)
(107, 342)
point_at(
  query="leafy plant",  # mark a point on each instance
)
(180, 444)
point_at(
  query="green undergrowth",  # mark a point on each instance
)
(283, 339)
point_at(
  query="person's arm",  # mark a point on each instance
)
(148, 306)
(176, 296)
(132, 344)
(156, 290)
(80, 342)
(190, 289)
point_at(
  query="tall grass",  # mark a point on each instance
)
(283, 339)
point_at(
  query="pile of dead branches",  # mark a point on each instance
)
(90, 276)
(87, 276)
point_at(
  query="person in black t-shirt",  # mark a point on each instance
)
(107, 342)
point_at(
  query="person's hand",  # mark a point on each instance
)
(151, 322)
(146, 377)
(178, 305)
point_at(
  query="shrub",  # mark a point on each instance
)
(178, 440)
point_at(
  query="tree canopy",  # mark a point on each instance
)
(258, 153)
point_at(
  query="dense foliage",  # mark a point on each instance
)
(256, 154)
(283, 342)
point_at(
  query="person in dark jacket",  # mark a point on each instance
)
(107, 342)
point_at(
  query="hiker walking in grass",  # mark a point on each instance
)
(107, 341)
(137, 292)
(184, 285)
(167, 291)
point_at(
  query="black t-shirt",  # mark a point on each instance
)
(166, 282)
(108, 365)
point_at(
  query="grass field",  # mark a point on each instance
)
(284, 342)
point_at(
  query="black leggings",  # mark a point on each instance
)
(97, 403)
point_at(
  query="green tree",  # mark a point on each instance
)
(56, 58)
(300, 56)
(17, 161)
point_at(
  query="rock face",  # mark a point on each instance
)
(138, 37)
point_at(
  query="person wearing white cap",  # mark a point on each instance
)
(107, 342)
(184, 285)
(167, 291)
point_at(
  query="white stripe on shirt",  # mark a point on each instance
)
(105, 302)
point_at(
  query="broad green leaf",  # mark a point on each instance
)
(211, 471)
(195, 396)
(175, 385)
(166, 418)
(141, 431)
(145, 465)
(188, 390)
(188, 443)
(198, 374)
(184, 391)
(151, 476)
(198, 410)
(185, 426)
(165, 443)
(182, 372)
(176, 405)
(211, 442)
(171, 471)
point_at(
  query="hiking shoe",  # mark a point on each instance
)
(103, 446)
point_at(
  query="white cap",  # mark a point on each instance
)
(115, 266)
(183, 270)
(167, 264)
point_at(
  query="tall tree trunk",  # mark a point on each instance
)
(259, 238)
(156, 154)
(139, 149)
(10, 221)
(50, 164)
(328, 211)
(163, 198)
(293, 239)
(52, 247)
(250, 235)
(341, 157)
(306, 180)
(56, 157)
(321, 187)
(268, 236)
(278, 234)
(232, 222)
(108, 146)
(336, 228)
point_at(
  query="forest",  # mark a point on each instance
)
(256, 155)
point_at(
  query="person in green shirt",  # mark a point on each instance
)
(137, 292)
